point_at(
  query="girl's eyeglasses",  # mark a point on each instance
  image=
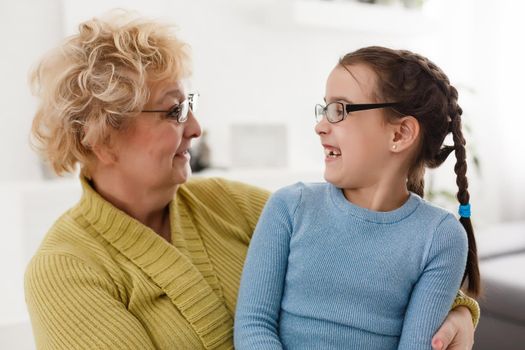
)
(337, 111)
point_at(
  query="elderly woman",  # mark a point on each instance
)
(146, 259)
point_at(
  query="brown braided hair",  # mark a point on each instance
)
(424, 91)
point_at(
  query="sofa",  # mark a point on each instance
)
(501, 250)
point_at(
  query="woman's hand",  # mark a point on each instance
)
(457, 332)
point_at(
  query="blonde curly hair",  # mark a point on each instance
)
(96, 80)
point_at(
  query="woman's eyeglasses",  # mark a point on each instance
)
(179, 112)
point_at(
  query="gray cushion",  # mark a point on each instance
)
(501, 250)
(501, 239)
(503, 283)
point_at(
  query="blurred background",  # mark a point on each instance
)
(260, 67)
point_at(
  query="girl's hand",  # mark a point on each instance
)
(456, 333)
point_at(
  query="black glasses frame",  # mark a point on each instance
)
(180, 111)
(349, 107)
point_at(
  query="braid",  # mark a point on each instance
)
(459, 147)
(452, 112)
(463, 196)
(437, 75)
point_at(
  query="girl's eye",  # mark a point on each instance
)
(173, 112)
(335, 109)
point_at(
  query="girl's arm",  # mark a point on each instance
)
(437, 286)
(262, 282)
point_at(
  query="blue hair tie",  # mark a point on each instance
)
(464, 210)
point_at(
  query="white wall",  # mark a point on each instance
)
(508, 67)
(28, 28)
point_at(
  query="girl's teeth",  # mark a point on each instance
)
(332, 153)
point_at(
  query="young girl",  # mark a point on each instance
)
(362, 261)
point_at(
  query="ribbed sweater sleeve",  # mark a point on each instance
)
(436, 288)
(73, 306)
(262, 283)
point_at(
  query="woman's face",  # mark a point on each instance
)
(356, 148)
(152, 153)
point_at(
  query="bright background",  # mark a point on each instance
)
(260, 66)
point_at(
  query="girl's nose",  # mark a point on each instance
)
(322, 127)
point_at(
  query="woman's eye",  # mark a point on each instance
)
(174, 112)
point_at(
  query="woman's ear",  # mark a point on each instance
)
(405, 133)
(104, 153)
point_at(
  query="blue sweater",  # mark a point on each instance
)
(322, 273)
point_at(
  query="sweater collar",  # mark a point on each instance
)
(197, 297)
(379, 217)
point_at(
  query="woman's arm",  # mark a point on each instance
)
(262, 283)
(457, 332)
(434, 292)
(72, 306)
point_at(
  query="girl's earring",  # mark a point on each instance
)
(394, 146)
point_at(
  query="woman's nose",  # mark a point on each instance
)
(192, 128)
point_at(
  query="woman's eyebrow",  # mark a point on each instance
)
(172, 93)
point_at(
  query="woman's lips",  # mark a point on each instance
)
(183, 155)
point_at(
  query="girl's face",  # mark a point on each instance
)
(356, 148)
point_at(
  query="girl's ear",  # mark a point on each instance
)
(405, 133)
